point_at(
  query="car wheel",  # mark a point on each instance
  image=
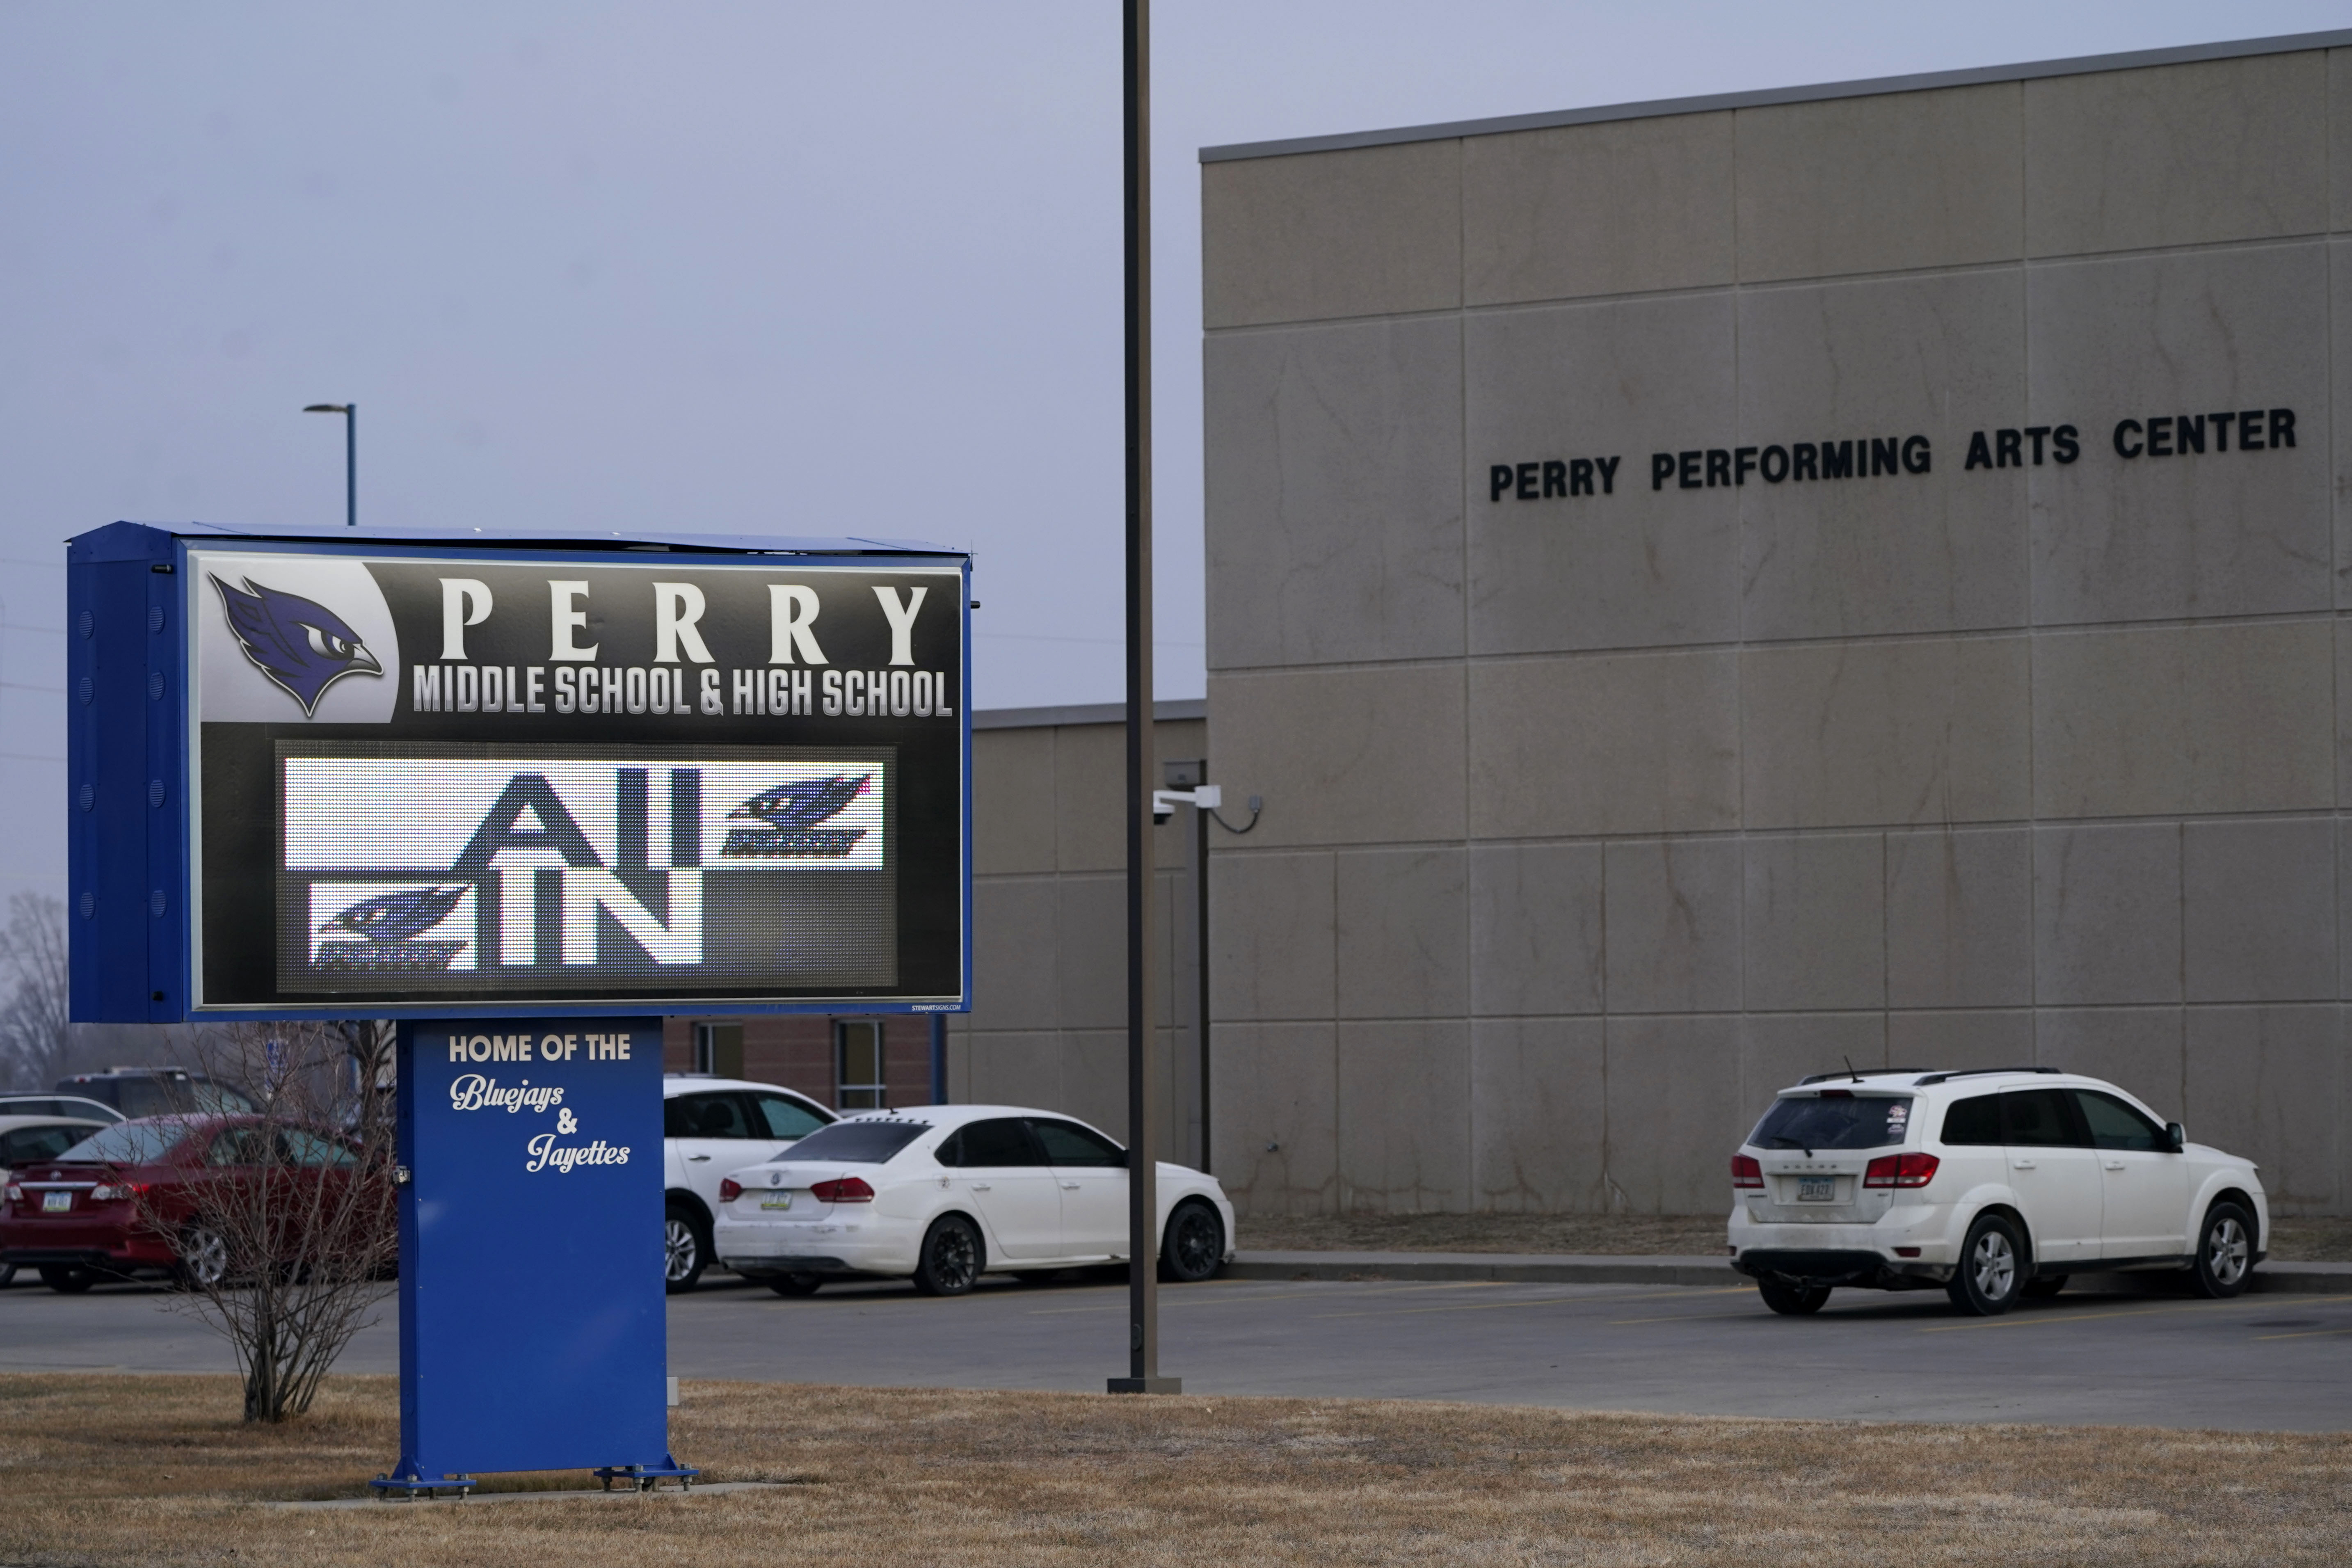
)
(2044, 1287)
(794, 1284)
(203, 1258)
(2225, 1251)
(1792, 1300)
(66, 1278)
(686, 1248)
(1992, 1267)
(951, 1258)
(1194, 1246)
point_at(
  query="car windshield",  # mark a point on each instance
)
(127, 1144)
(1835, 1119)
(855, 1142)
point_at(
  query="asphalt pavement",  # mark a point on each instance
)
(2258, 1363)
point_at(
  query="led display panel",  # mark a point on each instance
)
(514, 777)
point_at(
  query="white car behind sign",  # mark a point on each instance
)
(943, 1193)
(711, 1126)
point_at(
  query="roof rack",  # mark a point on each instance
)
(1979, 1073)
(1850, 1076)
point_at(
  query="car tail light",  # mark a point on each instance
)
(116, 1191)
(1901, 1171)
(845, 1190)
(15, 1192)
(1747, 1173)
(729, 1189)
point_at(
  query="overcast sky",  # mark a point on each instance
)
(741, 268)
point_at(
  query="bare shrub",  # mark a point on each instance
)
(287, 1234)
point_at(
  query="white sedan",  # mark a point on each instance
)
(943, 1193)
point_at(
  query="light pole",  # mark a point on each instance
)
(1143, 1375)
(938, 1058)
(1188, 784)
(351, 413)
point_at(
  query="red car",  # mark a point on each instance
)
(164, 1194)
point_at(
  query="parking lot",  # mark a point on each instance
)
(2257, 1363)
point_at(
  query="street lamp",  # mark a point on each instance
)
(1142, 1018)
(351, 413)
(1188, 783)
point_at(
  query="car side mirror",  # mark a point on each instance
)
(2176, 1136)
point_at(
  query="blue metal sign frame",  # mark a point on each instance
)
(532, 1302)
(132, 834)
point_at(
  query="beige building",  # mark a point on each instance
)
(1713, 590)
(1048, 1026)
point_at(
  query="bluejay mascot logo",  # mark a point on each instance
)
(299, 644)
(792, 812)
(388, 928)
(803, 804)
(397, 917)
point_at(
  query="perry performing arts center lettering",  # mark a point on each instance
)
(511, 779)
(1876, 457)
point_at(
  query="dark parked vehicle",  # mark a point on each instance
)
(158, 1091)
(132, 1199)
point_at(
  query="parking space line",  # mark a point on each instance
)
(1536, 1301)
(2014, 1323)
(2304, 1334)
(1166, 1300)
(1229, 1292)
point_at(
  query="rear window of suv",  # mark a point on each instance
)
(1834, 1121)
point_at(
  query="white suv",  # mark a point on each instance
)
(1987, 1185)
(711, 1126)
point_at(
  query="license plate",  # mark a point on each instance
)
(1817, 1189)
(56, 1202)
(781, 1201)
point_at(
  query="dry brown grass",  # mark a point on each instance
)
(2294, 1240)
(109, 1469)
(2300, 1240)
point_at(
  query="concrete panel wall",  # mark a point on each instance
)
(1047, 1027)
(1622, 765)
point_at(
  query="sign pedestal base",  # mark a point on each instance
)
(646, 1478)
(533, 1320)
(404, 1481)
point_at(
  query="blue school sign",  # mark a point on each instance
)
(524, 794)
(531, 1330)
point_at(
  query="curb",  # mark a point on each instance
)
(1558, 1269)
(1538, 1268)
